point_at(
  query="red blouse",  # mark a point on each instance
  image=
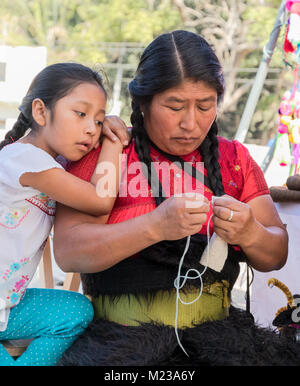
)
(242, 178)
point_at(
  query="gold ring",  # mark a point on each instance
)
(231, 215)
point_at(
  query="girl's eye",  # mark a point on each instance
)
(80, 113)
(99, 123)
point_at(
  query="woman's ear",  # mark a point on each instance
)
(39, 111)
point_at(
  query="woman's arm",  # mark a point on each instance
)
(256, 227)
(84, 243)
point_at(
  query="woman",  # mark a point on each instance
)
(130, 263)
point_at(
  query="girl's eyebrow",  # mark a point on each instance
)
(179, 100)
(89, 104)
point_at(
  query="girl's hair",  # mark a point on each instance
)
(165, 63)
(51, 84)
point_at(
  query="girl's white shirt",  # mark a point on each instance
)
(26, 218)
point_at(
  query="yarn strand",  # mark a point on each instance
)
(185, 277)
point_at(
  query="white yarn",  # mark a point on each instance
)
(185, 277)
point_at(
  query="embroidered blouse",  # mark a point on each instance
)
(26, 218)
(242, 178)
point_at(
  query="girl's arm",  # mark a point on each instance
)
(76, 193)
(106, 175)
(67, 189)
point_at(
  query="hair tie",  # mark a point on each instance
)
(12, 139)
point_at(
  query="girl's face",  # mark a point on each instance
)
(74, 127)
(178, 119)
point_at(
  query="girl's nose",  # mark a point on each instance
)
(91, 128)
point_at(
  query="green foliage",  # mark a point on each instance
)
(129, 20)
(261, 22)
(73, 29)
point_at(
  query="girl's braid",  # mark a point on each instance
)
(17, 131)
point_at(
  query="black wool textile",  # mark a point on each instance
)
(234, 341)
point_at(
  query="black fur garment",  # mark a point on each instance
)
(234, 341)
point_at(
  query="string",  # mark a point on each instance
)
(185, 277)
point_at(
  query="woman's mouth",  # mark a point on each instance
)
(185, 139)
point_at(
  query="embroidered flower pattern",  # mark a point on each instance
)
(46, 200)
(237, 168)
(15, 294)
(232, 183)
(16, 289)
(43, 202)
(14, 268)
(19, 284)
(14, 217)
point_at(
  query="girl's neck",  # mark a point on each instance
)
(38, 141)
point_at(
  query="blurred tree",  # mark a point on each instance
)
(126, 20)
(86, 31)
(238, 30)
(73, 29)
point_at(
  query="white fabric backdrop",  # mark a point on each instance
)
(265, 301)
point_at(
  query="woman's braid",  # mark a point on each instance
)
(209, 150)
(142, 145)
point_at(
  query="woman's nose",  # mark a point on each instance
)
(189, 121)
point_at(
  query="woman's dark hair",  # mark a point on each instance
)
(51, 84)
(165, 63)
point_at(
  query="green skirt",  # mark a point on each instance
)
(131, 310)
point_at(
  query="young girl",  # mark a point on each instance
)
(64, 109)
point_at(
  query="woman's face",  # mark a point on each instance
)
(178, 119)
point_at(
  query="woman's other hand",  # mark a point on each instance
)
(233, 220)
(256, 227)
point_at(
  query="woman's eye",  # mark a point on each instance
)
(203, 108)
(175, 108)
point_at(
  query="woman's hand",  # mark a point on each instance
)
(178, 217)
(114, 128)
(233, 220)
(256, 227)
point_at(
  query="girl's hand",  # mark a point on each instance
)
(114, 128)
(178, 217)
(233, 220)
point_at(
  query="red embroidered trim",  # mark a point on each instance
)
(38, 204)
